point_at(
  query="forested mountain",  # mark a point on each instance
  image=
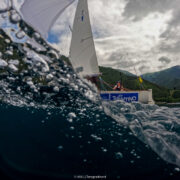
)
(169, 78)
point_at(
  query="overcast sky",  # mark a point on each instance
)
(144, 34)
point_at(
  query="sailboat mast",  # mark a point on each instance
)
(82, 51)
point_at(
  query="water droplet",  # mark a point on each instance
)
(72, 128)
(96, 137)
(104, 149)
(70, 120)
(119, 155)
(177, 169)
(97, 115)
(20, 34)
(111, 141)
(60, 148)
(49, 113)
(56, 89)
(72, 115)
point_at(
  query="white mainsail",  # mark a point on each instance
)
(42, 14)
(82, 51)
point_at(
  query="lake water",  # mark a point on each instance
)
(48, 142)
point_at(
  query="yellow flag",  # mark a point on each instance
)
(140, 80)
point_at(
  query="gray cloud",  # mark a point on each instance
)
(171, 45)
(141, 8)
(170, 38)
(164, 60)
(143, 68)
(176, 16)
(124, 60)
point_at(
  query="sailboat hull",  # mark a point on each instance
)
(128, 96)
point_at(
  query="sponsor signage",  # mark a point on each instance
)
(127, 97)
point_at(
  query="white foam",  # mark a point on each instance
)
(56, 89)
(155, 126)
(3, 63)
(14, 62)
(13, 68)
(15, 17)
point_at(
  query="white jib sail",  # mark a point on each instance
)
(82, 51)
(42, 14)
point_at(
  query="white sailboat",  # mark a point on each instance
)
(42, 14)
(84, 60)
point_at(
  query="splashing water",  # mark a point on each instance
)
(156, 126)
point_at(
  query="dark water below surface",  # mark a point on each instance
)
(38, 141)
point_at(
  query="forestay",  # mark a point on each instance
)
(82, 51)
(42, 14)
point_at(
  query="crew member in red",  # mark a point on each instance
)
(118, 86)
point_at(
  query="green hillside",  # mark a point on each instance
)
(169, 78)
(126, 73)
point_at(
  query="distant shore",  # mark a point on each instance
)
(168, 104)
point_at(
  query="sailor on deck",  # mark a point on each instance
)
(118, 86)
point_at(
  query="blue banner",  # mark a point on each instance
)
(127, 97)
